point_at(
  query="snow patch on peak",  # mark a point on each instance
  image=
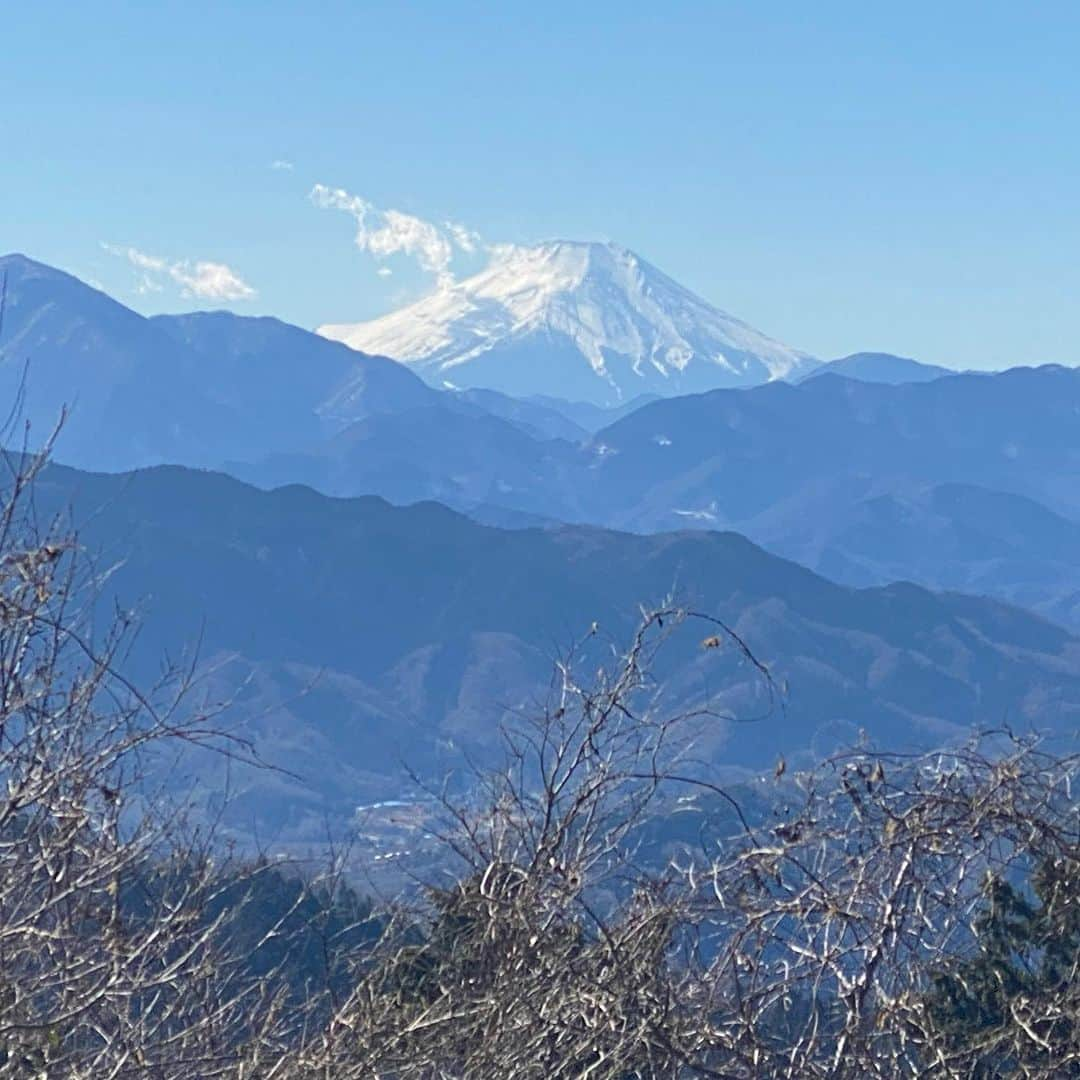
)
(637, 329)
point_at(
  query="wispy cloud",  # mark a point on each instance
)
(211, 281)
(201, 279)
(382, 233)
(282, 165)
(468, 240)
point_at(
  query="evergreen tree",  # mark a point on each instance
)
(1014, 1005)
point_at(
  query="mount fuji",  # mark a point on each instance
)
(586, 321)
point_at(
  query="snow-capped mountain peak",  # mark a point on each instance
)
(586, 320)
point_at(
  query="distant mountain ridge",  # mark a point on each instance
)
(881, 368)
(363, 636)
(730, 455)
(194, 389)
(947, 536)
(422, 624)
(732, 458)
(212, 388)
(280, 370)
(848, 476)
(585, 321)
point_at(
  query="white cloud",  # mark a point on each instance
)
(140, 259)
(384, 271)
(210, 280)
(467, 239)
(198, 278)
(382, 233)
(282, 165)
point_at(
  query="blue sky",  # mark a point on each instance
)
(844, 176)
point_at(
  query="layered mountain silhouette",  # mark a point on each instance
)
(848, 475)
(949, 536)
(806, 470)
(212, 388)
(196, 389)
(351, 635)
(364, 636)
(728, 456)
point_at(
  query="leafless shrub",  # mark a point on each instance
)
(832, 929)
(554, 953)
(109, 963)
(895, 916)
(814, 943)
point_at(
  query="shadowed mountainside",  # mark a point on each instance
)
(363, 635)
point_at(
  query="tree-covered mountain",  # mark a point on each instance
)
(197, 389)
(728, 455)
(211, 388)
(857, 479)
(948, 536)
(355, 636)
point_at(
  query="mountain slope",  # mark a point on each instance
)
(283, 374)
(948, 536)
(963, 482)
(452, 452)
(881, 368)
(122, 380)
(209, 388)
(197, 389)
(542, 419)
(593, 417)
(390, 634)
(574, 320)
(727, 456)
